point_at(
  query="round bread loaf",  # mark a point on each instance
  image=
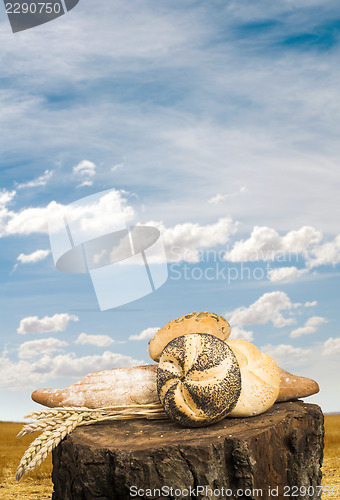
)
(260, 379)
(198, 379)
(203, 322)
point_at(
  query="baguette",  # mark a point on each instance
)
(116, 387)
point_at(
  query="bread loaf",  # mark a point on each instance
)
(295, 387)
(260, 379)
(116, 387)
(137, 385)
(198, 379)
(203, 322)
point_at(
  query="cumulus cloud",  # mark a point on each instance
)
(29, 220)
(327, 253)
(240, 333)
(18, 375)
(286, 274)
(148, 333)
(55, 323)
(331, 347)
(265, 243)
(310, 326)
(183, 241)
(97, 340)
(268, 308)
(311, 304)
(99, 215)
(286, 354)
(6, 196)
(32, 348)
(85, 170)
(33, 257)
(39, 181)
(218, 198)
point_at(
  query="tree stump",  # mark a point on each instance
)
(274, 455)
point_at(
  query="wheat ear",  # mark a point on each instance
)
(56, 423)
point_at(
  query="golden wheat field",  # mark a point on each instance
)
(38, 485)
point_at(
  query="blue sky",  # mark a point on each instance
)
(216, 121)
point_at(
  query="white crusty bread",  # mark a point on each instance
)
(203, 322)
(116, 387)
(260, 379)
(137, 385)
(198, 379)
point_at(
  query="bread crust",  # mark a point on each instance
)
(260, 379)
(116, 387)
(203, 322)
(198, 379)
(295, 387)
(138, 385)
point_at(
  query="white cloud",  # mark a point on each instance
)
(117, 167)
(268, 308)
(311, 304)
(286, 274)
(34, 256)
(265, 243)
(97, 340)
(328, 253)
(85, 168)
(286, 354)
(32, 348)
(183, 241)
(29, 220)
(56, 323)
(217, 198)
(309, 327)
(222, 197)
(99, 215)
(240, 333)
(6, 196)
(85, 183)
(39, 181)
(18, 375)
(331, 347)
(148, 333)
(70, 365)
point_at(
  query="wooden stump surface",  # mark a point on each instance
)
(274, 455)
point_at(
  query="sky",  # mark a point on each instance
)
(218, 123)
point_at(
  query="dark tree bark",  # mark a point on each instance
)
(274, 455)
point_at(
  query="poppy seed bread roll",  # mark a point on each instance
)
(203, 322)
(198, 379)
(260, 379)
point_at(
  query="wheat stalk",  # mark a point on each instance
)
(57, 423)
